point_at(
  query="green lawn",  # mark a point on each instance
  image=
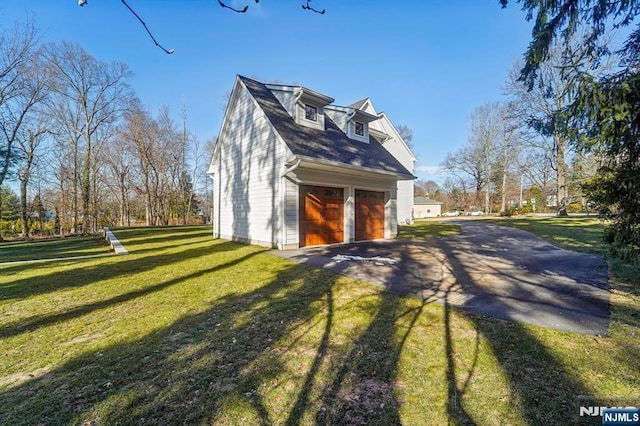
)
(428, 229)
(578, 233)
(191, 330)
(53, 248)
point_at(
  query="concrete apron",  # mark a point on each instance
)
(489, 270)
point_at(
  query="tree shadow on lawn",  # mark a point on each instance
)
(53, 248)
(98, 270)
(231, 363)
(165, 235)
(37, 321)
(235, 362)
(543, 391)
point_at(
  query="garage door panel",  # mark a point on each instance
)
(321, 215)
(369, 215)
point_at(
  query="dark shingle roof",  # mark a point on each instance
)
(330, 145)
(358, 105)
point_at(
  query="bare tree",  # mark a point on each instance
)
(426, 188)
(475, 159)
(89, 95)
(157, 149)
(542, 107)
(29, 153)
(406, 134)
(119, 162)
(20, 92)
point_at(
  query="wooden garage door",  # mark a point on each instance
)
(369, 215)
(321, 215)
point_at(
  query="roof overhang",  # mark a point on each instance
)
(347, 169)
(364, 116)
(354, 114)
(381, 136)
(308, 95)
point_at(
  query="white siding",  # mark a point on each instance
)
(405, 201)
(251, 158)
(398, 149)
(338, 117)
(288, 100)
(395, 146)
(421, 211)
(292, 232)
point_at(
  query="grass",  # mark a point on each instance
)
(52, 248)
(428, 229)
(579, 233)
(191, 330)
(584, 234)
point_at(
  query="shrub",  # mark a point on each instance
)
(508, 212)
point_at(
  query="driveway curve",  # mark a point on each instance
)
(486, 269)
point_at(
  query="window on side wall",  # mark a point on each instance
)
(359, 129)
(311, 112)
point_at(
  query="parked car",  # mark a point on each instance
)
(474, 213)
(451, 213)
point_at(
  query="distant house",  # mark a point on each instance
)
(291, 170)
(424, 207)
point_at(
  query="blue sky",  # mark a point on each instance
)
(427, 64)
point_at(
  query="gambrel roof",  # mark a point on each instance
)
(330, 145)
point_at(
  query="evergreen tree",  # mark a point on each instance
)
(605, 115)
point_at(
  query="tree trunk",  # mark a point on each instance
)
(75, 188)
(561, 168)
(85, 188)
(487, 202)
(23, 206)
(503, 204)
(123, 205)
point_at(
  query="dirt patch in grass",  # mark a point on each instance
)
(16, 379)
(362, 403)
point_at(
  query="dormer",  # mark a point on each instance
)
(309, 108)
(353, 122)
(305, 106)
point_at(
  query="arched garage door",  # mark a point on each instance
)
(369, 215)
(321, 215)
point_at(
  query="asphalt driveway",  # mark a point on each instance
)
(486, 269)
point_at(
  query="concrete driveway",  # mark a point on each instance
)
(485, 269)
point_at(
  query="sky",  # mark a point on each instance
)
(426, 64)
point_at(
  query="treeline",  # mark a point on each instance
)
(81, 149)
(521, 149)
(571, 118)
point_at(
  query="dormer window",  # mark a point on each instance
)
(359, 128)
(310, 112)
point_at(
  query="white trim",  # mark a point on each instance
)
(354, 168)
